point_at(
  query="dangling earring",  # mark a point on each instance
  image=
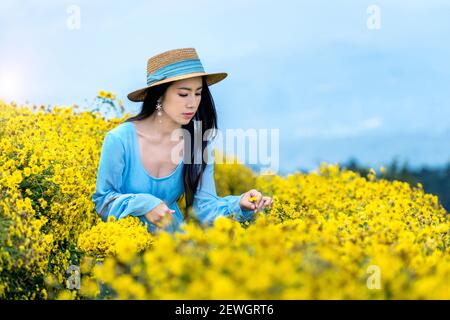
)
(159, 108)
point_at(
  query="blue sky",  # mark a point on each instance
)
(335, 88)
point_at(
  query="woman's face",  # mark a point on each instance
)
(181, 99)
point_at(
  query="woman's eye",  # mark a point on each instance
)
(185, 95)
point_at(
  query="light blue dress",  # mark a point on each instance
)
(124, 187)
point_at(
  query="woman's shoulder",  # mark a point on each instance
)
(121, 131)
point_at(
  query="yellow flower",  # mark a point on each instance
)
(43, 203)
(27, 171)
(102, 94)
(57, 179)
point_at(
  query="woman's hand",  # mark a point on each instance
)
(254, 200)
(160, 215)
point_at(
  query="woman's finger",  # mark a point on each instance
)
(259, 202)
(155, 222)
(258, 199)
(255, 197)
(267, 202)
(252, 201)
(264, 202)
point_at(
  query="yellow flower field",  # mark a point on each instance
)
(331, 234)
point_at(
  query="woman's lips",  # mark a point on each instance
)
(188, 114)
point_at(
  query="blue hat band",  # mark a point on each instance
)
(175, 69)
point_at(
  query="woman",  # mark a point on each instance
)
(138, 174)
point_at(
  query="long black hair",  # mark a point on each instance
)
(206, 114)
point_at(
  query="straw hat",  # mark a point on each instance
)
(174, 65)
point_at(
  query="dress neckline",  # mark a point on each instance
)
(139, 158)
